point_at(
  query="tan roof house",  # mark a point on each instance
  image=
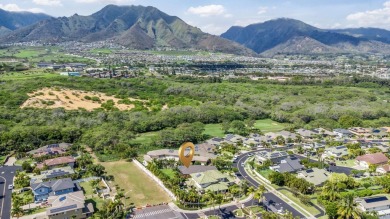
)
(371, 159)
(59, 161)
(71, 205)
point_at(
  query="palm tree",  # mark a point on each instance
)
(330, 190)
(211, 197)
(348, 208)
(259, 193)
(17, 211)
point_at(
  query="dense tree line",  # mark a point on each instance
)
(108, 130)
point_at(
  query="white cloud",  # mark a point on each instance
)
(15, 7)
(262, 10)
(248, 21)
(207, 10)
(374, 18)
(48, 2)
(105, 1)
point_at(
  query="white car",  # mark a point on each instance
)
(10, 186)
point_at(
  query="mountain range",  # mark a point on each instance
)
(10, 21)
(136, 27)
(285, 35)
(140, 27)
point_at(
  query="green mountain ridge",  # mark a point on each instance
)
(285, 35)
(132, 26)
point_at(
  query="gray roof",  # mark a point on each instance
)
(55, 185)
(343, 131)
(290, 165)
(315, 175)
(373, 201)
(67, 202)
(305, 132)
(195, 169)
(53, 173)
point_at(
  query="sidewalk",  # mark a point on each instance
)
(175, 208)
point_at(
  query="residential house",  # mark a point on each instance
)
(343, 133)
(169, 154)
(324, 132)
(275, 157)
(306, 134)
(252, 142)
(205, 150)
(216, 141)
(379, 133)
(313, 146)
(315, 176)
(336, 152)
(359, 131)
(56, 162)
(366, 160)
(71, 205)
(211, 180)
(186, 171)
(234, 138)
(43, 190)
(289, 165)
(383, 169)
(51, 174)
(52, 149)
(379, 204)
(286, 135)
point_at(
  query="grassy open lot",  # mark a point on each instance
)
(101, 51)
(214, 130)
(87, 188)
(27, 75)
(267, 125)
(141, 189)
(144, 138)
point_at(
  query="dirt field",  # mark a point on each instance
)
(71, 99)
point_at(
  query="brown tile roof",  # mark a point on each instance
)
(377, 158)
(57, 161)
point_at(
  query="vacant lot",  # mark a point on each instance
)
(141, 189)
(71, 99)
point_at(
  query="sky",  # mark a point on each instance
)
(217, 16)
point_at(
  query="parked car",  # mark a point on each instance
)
(10, 186)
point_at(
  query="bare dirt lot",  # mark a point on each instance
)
(72, 99)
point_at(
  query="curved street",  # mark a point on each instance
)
(271, 198)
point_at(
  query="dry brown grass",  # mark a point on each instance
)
(71, 99)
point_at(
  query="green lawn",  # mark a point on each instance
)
(214, 130)
(345, 163)
(169, 172)
(141, 189)
(293, 198)
(87, 188)
(265, 173)
(27, 75)
(267, 125)
(144, 138)
(101, 51)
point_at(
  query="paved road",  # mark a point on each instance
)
(271, 198)
(7, 174)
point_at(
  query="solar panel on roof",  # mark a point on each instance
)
(63, 208)
(376, 199)
(63, 198)
(340, 147)
(309, 171)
